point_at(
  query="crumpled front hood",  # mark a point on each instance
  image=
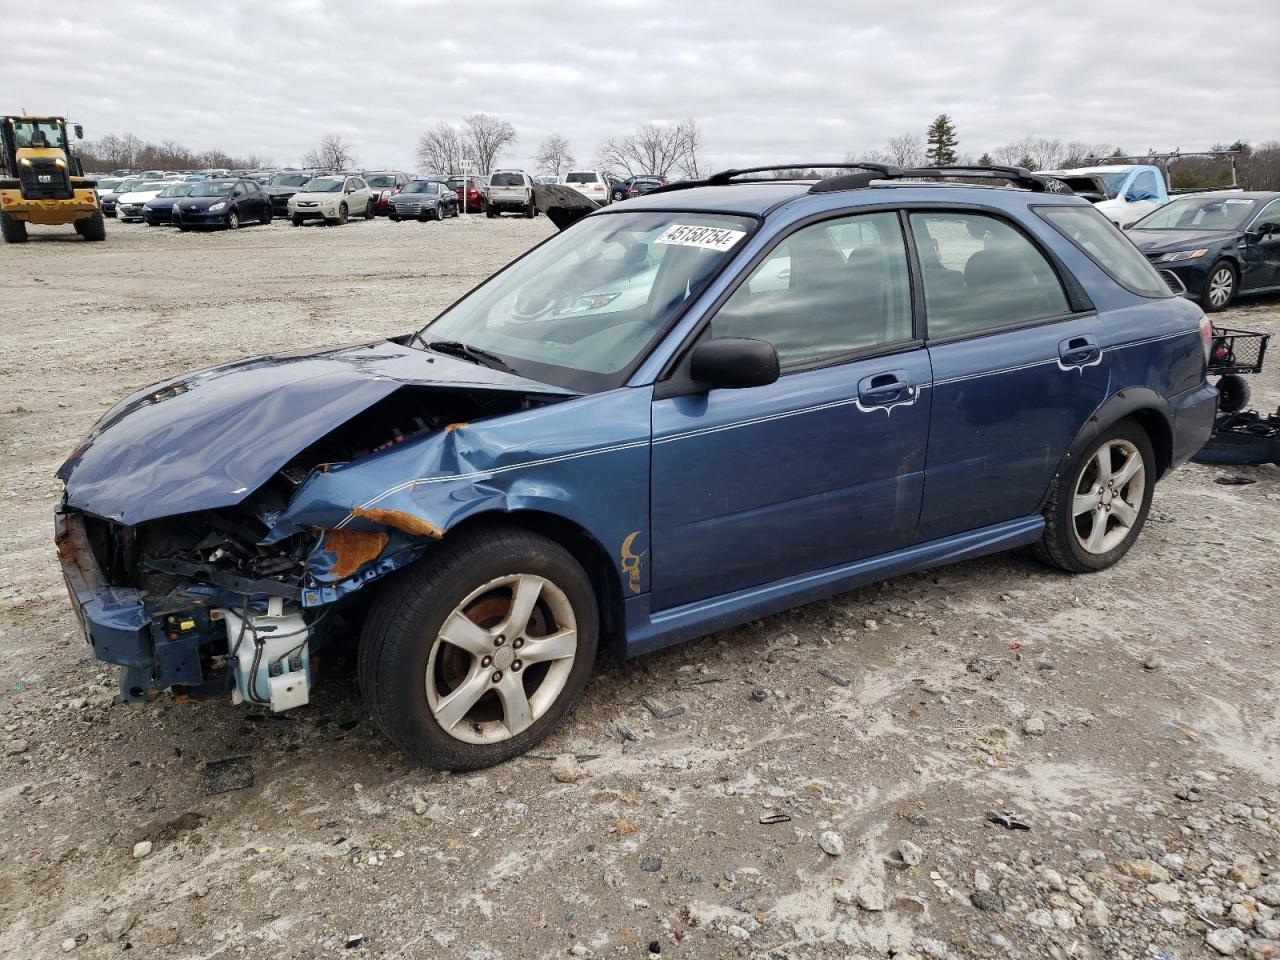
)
(211, 438)
(1164, 241)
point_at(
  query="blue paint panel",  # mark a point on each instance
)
(753, 484)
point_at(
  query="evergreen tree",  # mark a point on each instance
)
(985, 160)
(942, 141)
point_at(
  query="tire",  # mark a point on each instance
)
(94, 228)
(1067, 542)
(530, 211)
(490, 212)
(369, 211)
(407, 670)
(14, 231)
(183, 228)
(1233, 393)
(393, 218)
(233, 220)
(1219, 287)
(296, 220)
(267, 215)
(342, 214)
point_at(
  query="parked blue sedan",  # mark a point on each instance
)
(224, 204)
(1221, 245)
(679, 414)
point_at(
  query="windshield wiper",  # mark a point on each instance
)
(464, 351)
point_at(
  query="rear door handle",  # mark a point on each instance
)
(1079, 351)
(883, 389)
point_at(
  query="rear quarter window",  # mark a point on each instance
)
(1102, 242)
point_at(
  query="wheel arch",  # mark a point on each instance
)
(581, 544)
(1140, 404)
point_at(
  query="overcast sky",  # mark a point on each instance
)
(768, 81)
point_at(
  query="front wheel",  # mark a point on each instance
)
(1219, 287)
(369, 211)
(296, 220)
(233, 221)
(475, 655)
(14, 231)
(1098, 506)
(342, 213)
(94, 228)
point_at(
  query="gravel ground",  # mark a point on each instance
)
(988, 760)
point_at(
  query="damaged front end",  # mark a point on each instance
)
(183, 555)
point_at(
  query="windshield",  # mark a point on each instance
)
(289, 179)
(582, 178)
(177, 190)
(325, 185)
(146, 186)
(421, 186)
(38, 134)
(1199, 213)
(579, 310)
(387, 181)
(507, 180)
(1115, 181)
(125, 186)
(207, 189)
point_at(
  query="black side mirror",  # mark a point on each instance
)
(734, 362)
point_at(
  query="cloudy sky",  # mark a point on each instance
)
(800, 80)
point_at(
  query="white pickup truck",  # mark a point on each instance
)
(511, 191)
(1123, 193)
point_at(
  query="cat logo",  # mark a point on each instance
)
(631, 561)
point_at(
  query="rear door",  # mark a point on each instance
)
(826, 465)
(1016, 372)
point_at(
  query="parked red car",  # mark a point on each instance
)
(475, 196)
(385, 184)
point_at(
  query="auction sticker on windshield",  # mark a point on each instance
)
(709, 238)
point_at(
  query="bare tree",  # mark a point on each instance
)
(486, 138)
(112, 152)
(442, 150)
(659, 149)
(554, 156)
(904, 150)
(332, 153)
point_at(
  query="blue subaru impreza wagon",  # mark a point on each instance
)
(680, 413)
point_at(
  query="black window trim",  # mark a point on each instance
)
(673, 380)
(1036, 208)
(1078, 302)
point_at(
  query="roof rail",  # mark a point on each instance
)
(1018, 175)
(725, 177)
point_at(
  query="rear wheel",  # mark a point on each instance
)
(14, 231)
(474, 656)
(94, 228)
(1099, 505)
(1219, 287)
(267, 215)
(490, 212)
(530, 210)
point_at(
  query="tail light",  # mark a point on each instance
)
(386, 194)
(1206, 336)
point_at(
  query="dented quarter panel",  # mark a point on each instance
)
(210, 439)
(549, 459)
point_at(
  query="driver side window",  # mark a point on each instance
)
(829, 290)
(1270, 216)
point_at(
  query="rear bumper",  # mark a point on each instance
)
(1193, 415)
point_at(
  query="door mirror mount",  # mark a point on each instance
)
(734, 362)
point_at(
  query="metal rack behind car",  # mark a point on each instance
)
(1237, 351)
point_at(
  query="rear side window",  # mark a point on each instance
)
(1103, 243)
(830, 289)
(981, 274)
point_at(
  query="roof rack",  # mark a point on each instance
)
(866, 172)
(725, 177)
(1018, 175)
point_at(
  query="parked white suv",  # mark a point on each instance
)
(331, 199)
(510, 190)
(590, 183)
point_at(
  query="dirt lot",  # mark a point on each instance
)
(1128, 719)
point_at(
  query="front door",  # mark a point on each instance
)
(824, 466)
(1260, 251)
(1016, 372)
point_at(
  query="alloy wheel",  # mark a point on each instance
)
(1108, 496)
(1221, 285)
(501, 658)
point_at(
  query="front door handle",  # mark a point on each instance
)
(883, 389)
(1079, 351)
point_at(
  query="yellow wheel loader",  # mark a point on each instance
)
(42, 181)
